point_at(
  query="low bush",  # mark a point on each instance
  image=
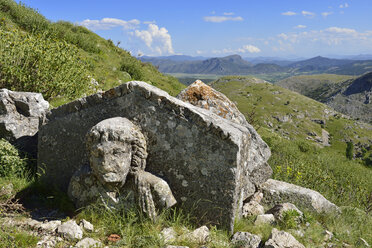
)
(11, 164)
(39, 64)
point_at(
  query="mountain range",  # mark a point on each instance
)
(236, 65)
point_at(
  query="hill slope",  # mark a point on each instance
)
(108, 64)
(297, 129)
(346, 94)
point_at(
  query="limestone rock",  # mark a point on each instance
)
(20, 114)
(263, 219)
(86, 225)
(204, 96)
(204, 158)
(199, 235)
(50, 226)
(279, 210)
(88, 243)
(168, 234)
(252, 208)
(281, 239)
(246, 240)
(70, 230)
(276, 192)
(48, 242)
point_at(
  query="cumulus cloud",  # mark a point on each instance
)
(307, 13)
(289, 13)
(157, 39)
(300, 26)
(218, 19)
(243, 49)
(344, 6)
(228, 13)
(109, 23)
(325, 14)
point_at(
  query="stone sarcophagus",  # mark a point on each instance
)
(203, 157)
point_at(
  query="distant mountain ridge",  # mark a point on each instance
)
(236, 65)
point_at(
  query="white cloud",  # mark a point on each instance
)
(300, 26)
(199, 52)
(109, 23)
(228, 13)
(307, 13)
(341, 30)
(157, 39)
(344, 6)
(149, 22)
(325, 14)
(218, 19)
(243, 49)
(289, 13)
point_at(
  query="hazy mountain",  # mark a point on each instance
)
(172, 58)
(271, 60)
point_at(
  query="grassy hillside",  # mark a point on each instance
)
(292, 125)
(319, 87)
(96, 57)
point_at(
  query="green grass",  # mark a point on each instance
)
(295, 159)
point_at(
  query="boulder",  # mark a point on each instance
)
(204, 96)
(20, 114)
(88, 243)
(199, 235)
(168, 234)
(263, 219)
(86, 225)
(252, 208)
(206, 160)
(70, 230)
(245, 240)
(276, 192)
(279, 210)
(281, 239)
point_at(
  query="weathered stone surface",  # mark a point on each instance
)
(199, 235)
(246, 240)
(276, 192)
(20, 114)
(204, 158)
(252, 208)
(263, 219)
(204, 96)
(279, 210)
(70, 230)
(86, 225)
(281, 239)
(88, 243)
(117, 152)
(168, 234)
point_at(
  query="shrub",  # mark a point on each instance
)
(10, 162)
(349, 150)
(133, 68)
(39, 64)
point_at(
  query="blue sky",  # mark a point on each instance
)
(251, 28)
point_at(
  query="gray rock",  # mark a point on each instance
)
(203, 96)
(281, 239)
(263, 219)
(327, 235)
(86, 225)
(276, 192)
(117, 148)
(20, 114)
(205, 159)
(48, 241)
(168, 234)
(50, 226)
(246, 240)
(279, 210)
(252, 208)
(70, 230)
(199, 235)
(88, 243)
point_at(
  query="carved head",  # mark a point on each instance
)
(115, 146)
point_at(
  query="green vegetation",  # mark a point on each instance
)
(11, 164)
(63, 56)
(350, 150)
(296, 157)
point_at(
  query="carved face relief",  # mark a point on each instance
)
(111, 161)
